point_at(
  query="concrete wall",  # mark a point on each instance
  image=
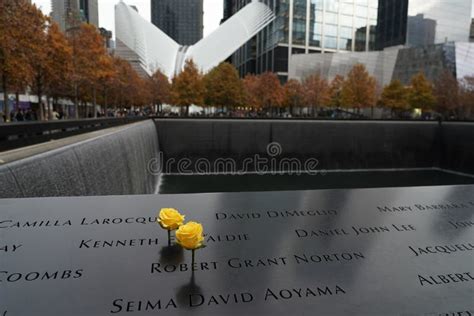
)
(115, 161)
(394, 63)
(109, 162)
(458, 147)
(336, 144)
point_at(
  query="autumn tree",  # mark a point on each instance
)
(466, 98)
(446, 91)
(335, 91)
(223, 86)
(144, 95)
(420, 93)
(119, 81)
(105, 87)
(294, 94)
(188, 86)
(127, 89)
(250, 83)
(59, 64)
(51, 65)
(394, 96)
(160, 89)
(39, 60)
(359, 88)
(21, 34)
(316, 92)
(133, 87)
(270, 93)
(92, 64)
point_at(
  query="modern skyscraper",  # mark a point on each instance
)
(471, 37)
(391, 23)
(148, 48)
(67, 11)
(328, 26)
(420, 22)
(306, 26)
(397, 63)
(182, 20)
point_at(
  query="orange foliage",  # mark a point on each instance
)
(316, 92)
(188, 87)
(359, 89)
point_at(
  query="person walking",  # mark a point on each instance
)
(19, 116)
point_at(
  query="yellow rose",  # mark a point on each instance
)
(170, 218)
(190, 235)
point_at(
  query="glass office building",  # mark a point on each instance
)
(438, 21)
(471, 36)
(182, 20)
(391, 23)
(416, 23)
(344, 25)
(328, 26)
(84, 10)
(306, 26)
(400, 63)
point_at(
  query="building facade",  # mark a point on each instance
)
(147, 48)
(66, 12)
(330, 26)
(306, 26)
(391, 23)
(417, 23)
(399, 63)
(471, 36)
(182, 20)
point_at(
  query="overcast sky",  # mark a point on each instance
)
(213, 10)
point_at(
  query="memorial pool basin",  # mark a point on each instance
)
(175, 184)
(117, 161)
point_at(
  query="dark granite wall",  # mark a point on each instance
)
(458, 147)
(111, 164)
(116, 163)
(336, 144)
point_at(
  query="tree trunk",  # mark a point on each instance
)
(50, 108)
(94, 101)
(17, 100)
(5, 99)
(105, 102)
(187, 110)
(39, 93)
(76, 104)
(85, 109)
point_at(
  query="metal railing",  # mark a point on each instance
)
(16, 135)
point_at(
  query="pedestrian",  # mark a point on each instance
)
(28, 115)
(19, 116)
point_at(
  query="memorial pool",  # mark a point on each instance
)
(172, 184)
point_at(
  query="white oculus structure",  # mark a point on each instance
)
(148, 48)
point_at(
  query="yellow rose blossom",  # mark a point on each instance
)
(190, 236)
(170, 218)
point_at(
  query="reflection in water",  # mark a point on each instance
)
(171, 254)
(187, 292)
(441, 223)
